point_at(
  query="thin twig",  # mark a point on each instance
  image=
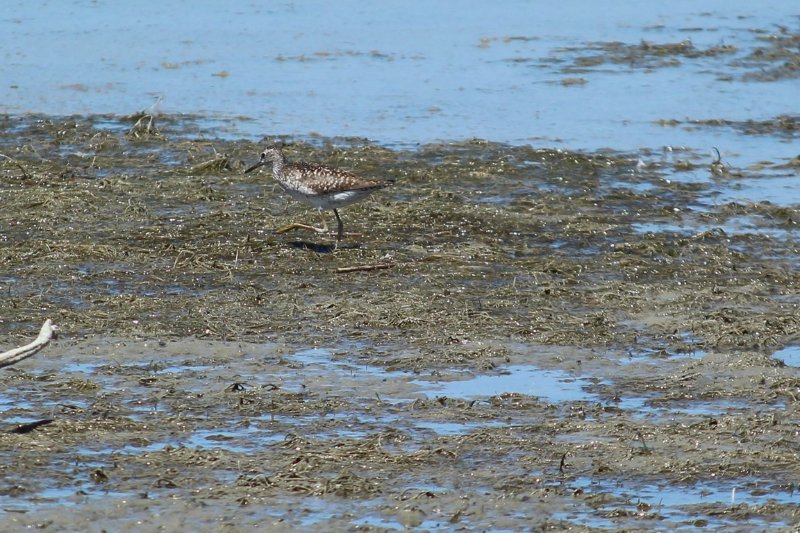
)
(24, 172)
(18, 354)
(363, 268)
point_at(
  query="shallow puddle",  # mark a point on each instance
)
(790, 355)
(549, 385)
(678, 504)
(559, 387)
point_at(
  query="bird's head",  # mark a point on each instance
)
(271, 153)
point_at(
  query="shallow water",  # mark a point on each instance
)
(549, 385)
(678, 503)
(404, 72)
(790, 355)
(329, 373)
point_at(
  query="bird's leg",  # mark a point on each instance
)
(340, 231)
(297, 225)
(324, 228)
(294, 226)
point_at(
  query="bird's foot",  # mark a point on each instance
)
(295, 225)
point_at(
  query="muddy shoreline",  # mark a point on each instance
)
(212, 373)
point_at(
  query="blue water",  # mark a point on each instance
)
(742, 225)
(557, 386)
(400, 72)
(790, 355)
(676, 502)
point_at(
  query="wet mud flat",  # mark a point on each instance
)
(508, 338)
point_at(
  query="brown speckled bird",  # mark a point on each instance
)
(317, 185)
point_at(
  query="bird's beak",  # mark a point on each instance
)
(259, 164)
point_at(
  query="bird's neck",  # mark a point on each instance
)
(277, 164)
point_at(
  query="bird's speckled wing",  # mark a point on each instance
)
(320, 180)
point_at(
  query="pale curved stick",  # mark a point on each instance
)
(23, 352)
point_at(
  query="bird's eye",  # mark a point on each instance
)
(263, 155)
